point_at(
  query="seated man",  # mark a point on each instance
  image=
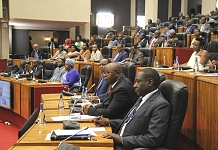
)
(101, 89)
(60, 53)
(22, 69)
(37, 52)
(119, 40)
(36, 69)
(172, 40)
(146, 124)
(157, 40)
(197, 33)
(120, 96)
(135, 56)
(203, 26)
(96, 54)
(112, 42)
(142, 42)
(190, 28)
(59, 71)
(108, 34)
(120, 55)
(170, 28)
(11, 68)
(138, 32)
(159, 24)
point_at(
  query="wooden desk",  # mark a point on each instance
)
(53, 51)
(106, 41)
(162, 30)
(136, 39)
(189, 123)
(168, 52)
(180, 29)
(114, 50)
(192, 37)
(52, 97)
(97, 74)
(54, 104)
(54, 147)
(207, 113)
(27, 94)
(213, 36)
(188, 40)
(168, 72)
(133, 32)
(35, 136)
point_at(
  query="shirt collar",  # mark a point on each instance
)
(148, 95)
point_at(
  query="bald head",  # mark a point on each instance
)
(115, 67)
(157, 33)
(35, 47)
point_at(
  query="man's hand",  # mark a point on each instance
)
(85, 109)
(100, 121)
(117, 139)
(127, 59)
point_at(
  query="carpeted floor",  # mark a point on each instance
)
(8, 136)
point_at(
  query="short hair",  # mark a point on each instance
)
(74, 47)
(135, 46)
(96, 44)
(62, 59)
(120, 44)
(151, 73)
(197, 29)
(79, 36)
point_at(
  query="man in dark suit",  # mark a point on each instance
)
(52, 44)
(157, 40)
(142, 42)
(203, 26)
(159, 24)
(146, 124)
(37, 53)
(101, 89)
(181, 17)
(11, 67)
(190, 28)
(120, 96)
(119, 40)
(135, 56)
(36, 69)
(22, 69)
(172, 40)
(121, 55)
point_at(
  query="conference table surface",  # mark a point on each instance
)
(54, 147)
(36, 135)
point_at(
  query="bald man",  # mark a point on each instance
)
(37, 52)
(157, 40)
(120, 95)
(172, 40)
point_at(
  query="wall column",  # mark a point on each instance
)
(151, 10)
(170, 8)
(184, 7)
(207, 6)
(133, 13)
(4, 40)
(84, 30)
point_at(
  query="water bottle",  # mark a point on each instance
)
(61, 103)
(34, 78)
(196, 67)
(155, 62)
(147, 45)
(41, 118)
(83, 91)
(86, 94)
(176, 64)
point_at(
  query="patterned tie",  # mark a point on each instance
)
(109, 89)
(116, 56)
(153, 41)
(36, 54)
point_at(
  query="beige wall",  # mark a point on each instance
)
(38, 37)
(1, 15)
(59, 10)
(208, 5)
(151, 9)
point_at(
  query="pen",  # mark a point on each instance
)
(75, 117)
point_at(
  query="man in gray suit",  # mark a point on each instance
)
(135, 56)
(146, 124)
(203, 26)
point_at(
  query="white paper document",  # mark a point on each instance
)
(97, 129)
(77, 96)
(80, 117)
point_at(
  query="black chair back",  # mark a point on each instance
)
(182, 39)
(84, 40)
(212, 49)
(199, 16)
(195, 20)
(129, 71)
(152, 29)
(127, 32)
(148, 54)
(127, 49)
(28, 123)
(114, 32)
(166, 24)
(49, 68)
(128, 41)
(106, 52)
(206, 35)
(100, 42)
(180, 22)
(162, 77)
(176, 93)
(85, 75)
(46, 51)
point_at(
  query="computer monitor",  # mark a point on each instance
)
(5, 94)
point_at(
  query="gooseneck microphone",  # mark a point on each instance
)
(70, 137)
(91, 87)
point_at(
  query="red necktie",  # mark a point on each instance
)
(109, 89)
(153, 41)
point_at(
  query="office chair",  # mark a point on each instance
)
(128, 70)
(148, 54)
(106, 52)
(49, 68)
(212, 49)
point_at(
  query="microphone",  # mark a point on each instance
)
(91, 87)
(42, 81)
(71, 136)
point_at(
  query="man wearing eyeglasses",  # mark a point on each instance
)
(120, 95)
